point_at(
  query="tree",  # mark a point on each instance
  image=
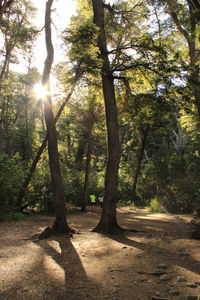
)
(186, 17)
(18, 34)
(4, 5)
(60, 224)
(108, 221)
(38, 155)
(139, 162)
(90, 123)
(17, 31)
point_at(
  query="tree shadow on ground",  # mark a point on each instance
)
(175, 226)
(76, 284)
(57, 273)
(176, 257)
(132, 221)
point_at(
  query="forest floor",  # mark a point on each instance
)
(157, 261)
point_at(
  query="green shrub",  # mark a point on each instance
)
(154, 205)
(11, 177)
(13, 216)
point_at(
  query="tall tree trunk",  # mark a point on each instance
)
(87, 172)
(87, 168)
(195, 84)
(2, 121)
(60, 224)
(5, 64)
(108, 221)
(139, 162)
(80, 152)
(2, 124)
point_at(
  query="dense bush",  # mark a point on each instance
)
(11, 175)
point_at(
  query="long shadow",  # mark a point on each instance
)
(164, 227)
(57, 274)
(159, 229)
(60, 253)
(175, 258)
(129, 218)
(76, 285)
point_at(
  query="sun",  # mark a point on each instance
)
(40, 90)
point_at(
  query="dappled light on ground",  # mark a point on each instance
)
(53, 270)
(152, 256)
(16, 262)
(55, 245)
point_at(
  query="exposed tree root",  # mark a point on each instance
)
(108, 229)
(56, 230)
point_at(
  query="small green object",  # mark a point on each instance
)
(92, 198)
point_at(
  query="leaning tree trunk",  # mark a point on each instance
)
(43, 145)
(108, 221)
(60, 224)
(37, 158)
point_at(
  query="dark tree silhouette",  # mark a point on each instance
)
(108, 221)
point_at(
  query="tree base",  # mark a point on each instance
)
(112, 229)
(59, 227)
(48, 232)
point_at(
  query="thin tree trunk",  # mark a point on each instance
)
(108, 221)
(44, 143)
(139, 162)
(38, 156)
(60, 224)
(195, 84)
(87, 172)
(80, 152)
(87, 168)
(5, 65)
(2, 122)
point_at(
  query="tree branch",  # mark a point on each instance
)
(174, 16)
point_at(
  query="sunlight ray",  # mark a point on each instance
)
(40, 90)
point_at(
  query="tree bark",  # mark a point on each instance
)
(80, 152)
(108, 221)
(60, 224)
(87, 172)
(87, 168)
(139, 162)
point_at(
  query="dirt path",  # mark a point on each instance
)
(158, 261)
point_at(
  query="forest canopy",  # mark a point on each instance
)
(125, 107)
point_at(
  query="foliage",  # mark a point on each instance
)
(82, 39)
(12, 216)
(11, 175)
(151, 70)
(155, 205)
